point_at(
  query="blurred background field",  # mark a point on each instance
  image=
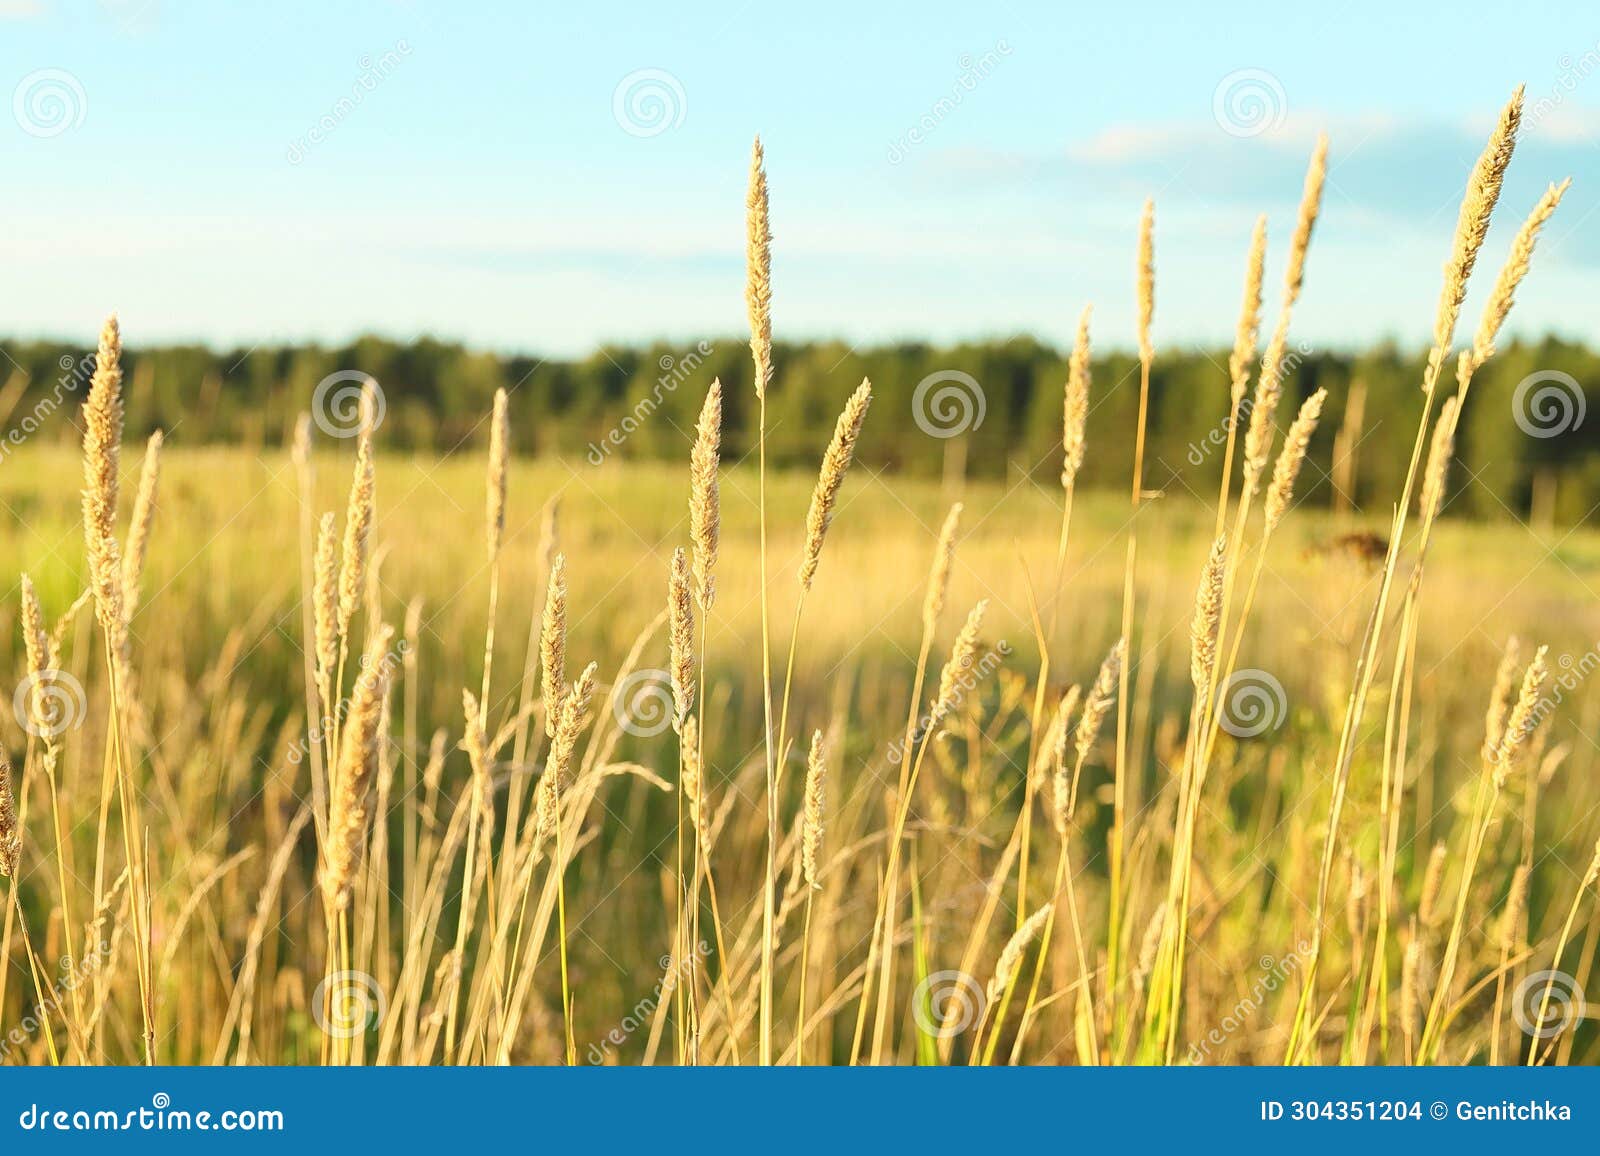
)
(227, 557)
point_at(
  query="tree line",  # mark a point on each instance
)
(988, 409)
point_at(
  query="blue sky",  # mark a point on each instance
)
(487, 187)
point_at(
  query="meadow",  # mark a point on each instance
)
(332, 754)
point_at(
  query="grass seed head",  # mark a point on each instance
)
(358, 523)
(1054, 753)
(10, 831)
(758, 269)
(962, 652)
(680, 615)
(1152, 939)
(692, 780)
(558, 763)
(1498, 307)
(705, 503)
(1207, 621)
(1436, 479)
(1248, 331)
(1098, 703)
(1524, 718)
(360, 744)
(1146, 278)
(1295, 443)
(499, 463)
(553, 644)
(944, 556)
(144, 510)
(1075, 405)
(1516, 904)
(41, 654)
(835, 464)
(102, 456)
(1011, 955)
(1306, 220)
(1505, 676)
(1432, 881)
(1472, 225)
(476, 743)
(816, 786)
(1260, 432)
(325, 595)
(1410, 981)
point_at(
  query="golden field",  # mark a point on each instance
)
(325, 754)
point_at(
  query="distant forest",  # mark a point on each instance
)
(1527, 445)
